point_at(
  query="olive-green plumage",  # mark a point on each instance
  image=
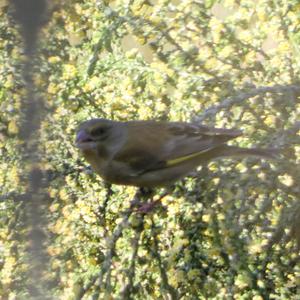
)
(151, 153)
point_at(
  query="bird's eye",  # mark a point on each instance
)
(98, 131)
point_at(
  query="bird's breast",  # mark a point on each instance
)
(98, 163)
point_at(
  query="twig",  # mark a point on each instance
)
(165, 282)
(242, 96)
(98, 279)
(101, 211)
(129, 288)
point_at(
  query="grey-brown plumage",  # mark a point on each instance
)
(151, 153)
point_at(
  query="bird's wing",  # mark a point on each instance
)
(188, 139)
(155, 145)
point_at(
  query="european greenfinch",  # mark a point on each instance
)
(153, 153)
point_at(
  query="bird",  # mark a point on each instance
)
(150, 154)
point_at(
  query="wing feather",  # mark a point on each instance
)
(154, 145)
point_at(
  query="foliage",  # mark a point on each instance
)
(230, 231)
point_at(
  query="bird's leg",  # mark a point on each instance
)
(147, 207)
(148, 194)
(140, 195)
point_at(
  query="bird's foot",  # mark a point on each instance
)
(143, 194)
(145, 208)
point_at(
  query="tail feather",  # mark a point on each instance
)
(272, 153)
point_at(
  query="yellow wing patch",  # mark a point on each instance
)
(181, 159)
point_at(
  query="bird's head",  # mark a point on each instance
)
(99, 134)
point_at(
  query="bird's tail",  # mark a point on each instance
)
(272, 153)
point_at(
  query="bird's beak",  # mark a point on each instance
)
(83, 140)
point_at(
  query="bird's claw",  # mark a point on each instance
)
(147, 207)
